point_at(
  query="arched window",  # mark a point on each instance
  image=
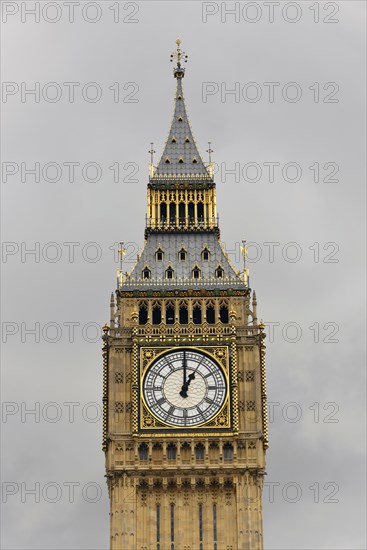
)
(163, 211)
(205, 255)
(143, 451)
(143, 313)
(199, 451)
(169, 272)
(191, 211)
(184, 315)
(227, 451)
(210, 313)
(219, 272)
(196, 273)
(182, 255)
(196, 314)
(146, 273)
(157, 314)
(170, 314)
(223, 313)
(159, 255)
(171, 451)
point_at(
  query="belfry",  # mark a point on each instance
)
(184, 396)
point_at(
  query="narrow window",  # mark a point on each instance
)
(200, 211)
(194, 160)
(170, 314)
(184, 316)
(157, 315)
(182, 255)
(146, 273)
(196, 315)
(172, 510)
(172, 212)
(169, 273)
(219, 273)
(215, 526)
(205, 254)
(180, 119)
(143, 313)
(199, 451)
(191, 210)
(171, 452)
(167, 161)
(159, 254)
(201, 526)
(196, 273)
(227, 452)
(210, 314)
(181, 161)
(181, 212)
(223, 314)
(187, 140)
(163, 211)
(143, 451)
(158, 527)
(173, 140)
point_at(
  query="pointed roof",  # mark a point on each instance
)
(180, 156)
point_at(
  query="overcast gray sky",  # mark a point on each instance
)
(310, 56)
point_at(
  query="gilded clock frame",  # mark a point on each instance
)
(224, 421)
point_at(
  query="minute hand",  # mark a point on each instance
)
(185, 385)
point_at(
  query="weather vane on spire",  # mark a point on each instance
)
(179, 56)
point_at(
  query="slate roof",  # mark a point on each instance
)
(180, 155)
(194, 244)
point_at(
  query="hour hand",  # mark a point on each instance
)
(184, 389)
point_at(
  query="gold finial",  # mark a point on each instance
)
(179, 56)
(105, 328)
(261, 325)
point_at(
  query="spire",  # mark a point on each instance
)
(180, 156)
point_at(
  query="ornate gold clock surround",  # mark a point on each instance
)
(223, 422)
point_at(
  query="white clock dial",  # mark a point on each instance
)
(184, 388)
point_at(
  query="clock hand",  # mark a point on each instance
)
(184, 364)
(185, 385)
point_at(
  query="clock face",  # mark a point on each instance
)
(184, 388)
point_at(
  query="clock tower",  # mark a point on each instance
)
(184, 398)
